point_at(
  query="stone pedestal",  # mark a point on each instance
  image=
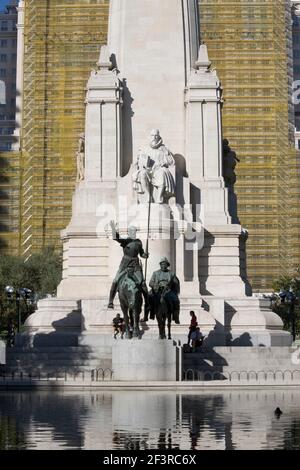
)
(147, 360)
(222, 263)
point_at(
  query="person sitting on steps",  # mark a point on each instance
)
(196, 338)
(118, 324)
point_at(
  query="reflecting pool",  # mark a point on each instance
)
(149, 420)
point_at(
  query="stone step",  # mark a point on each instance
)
(45, 368)
(37, 364)
(59, 355)
(225, 362)
(251, 367)
(245, 351)
(240, 364)
(56, 372)
(49, 349)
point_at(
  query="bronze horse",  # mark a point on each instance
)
(131, 301)
(165, 306)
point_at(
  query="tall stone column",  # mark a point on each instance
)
(155, 44)
(86, 269)
(103, 123)
(220, 268)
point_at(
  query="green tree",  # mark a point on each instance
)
(283, 309)
(41, 273)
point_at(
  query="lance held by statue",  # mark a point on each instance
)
(164, 300)
(132, 249)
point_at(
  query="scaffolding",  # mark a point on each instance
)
(249, 44)
(62, 44)
(9, 202)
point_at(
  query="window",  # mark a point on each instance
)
(14, 42)
(3, 43)
(2, 73)
(4, 26)
(5, 146)
(9, 130)
(3, 57)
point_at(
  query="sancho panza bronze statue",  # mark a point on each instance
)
(165, 288)
(132, 249)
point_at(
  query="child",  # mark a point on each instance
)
(118, 326)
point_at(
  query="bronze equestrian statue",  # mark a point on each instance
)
(131, 301)
(129, 281)
(164, 301)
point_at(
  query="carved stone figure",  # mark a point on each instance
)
(164, 301)
(130, 264)
(153, 180)
(80, 156)
(229, 163)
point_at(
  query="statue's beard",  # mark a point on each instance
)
(155, 144)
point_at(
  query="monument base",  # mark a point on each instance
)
(247, 321)
(148, 360)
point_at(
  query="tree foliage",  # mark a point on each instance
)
(285, 283)
(41, 273)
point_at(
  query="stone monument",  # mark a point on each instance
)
(153, 77)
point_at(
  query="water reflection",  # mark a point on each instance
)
(149, 420)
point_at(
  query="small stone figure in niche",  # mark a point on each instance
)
(80, 156)
(229, 164)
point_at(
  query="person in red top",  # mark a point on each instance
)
(193, 325)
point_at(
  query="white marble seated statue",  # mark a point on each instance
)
(153, 179)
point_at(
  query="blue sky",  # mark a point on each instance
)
(3, 3)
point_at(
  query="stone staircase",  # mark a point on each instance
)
(238, 363)
(227, 361)
(56, 361)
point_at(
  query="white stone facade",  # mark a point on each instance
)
(153, 75)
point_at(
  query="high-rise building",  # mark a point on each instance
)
(62, 43)
(8, 59)
(9, 163)
(296, 68)
(250, 45)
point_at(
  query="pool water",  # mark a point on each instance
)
(149, 420)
